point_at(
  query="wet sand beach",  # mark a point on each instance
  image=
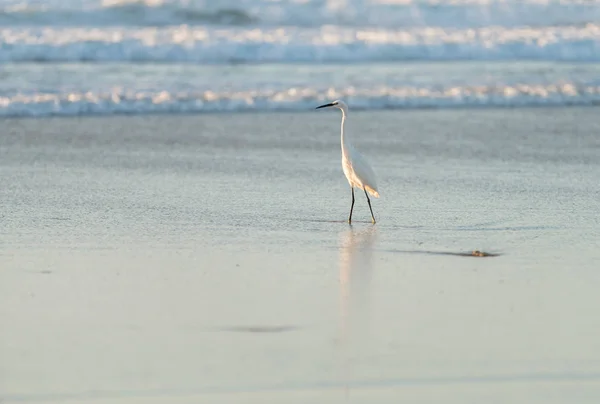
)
(206, 258)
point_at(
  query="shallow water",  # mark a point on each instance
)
(206, 258)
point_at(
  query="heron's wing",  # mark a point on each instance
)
(364, 172)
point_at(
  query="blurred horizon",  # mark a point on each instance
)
(81, 57)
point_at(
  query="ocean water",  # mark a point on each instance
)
(101, 57)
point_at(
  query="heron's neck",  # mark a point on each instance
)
(345, 142)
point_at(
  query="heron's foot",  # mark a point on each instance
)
(349, 221)
(373, 221)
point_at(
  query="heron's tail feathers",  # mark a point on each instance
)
(372, 191)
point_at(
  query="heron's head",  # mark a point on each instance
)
(336, 104)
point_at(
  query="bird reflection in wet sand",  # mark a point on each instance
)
(356, 251)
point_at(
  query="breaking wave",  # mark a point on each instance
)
(308, 13)
(185, 44)
(122, 101)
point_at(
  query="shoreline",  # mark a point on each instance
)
(294, 112)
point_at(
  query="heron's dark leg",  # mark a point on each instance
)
(351, 206)
(371, 209)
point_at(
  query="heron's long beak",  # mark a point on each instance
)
(326, 105)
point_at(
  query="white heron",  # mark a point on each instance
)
(358, 172)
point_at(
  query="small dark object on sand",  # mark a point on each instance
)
(477, 253)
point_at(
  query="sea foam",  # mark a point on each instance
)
(123, 101)
(191, 44)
